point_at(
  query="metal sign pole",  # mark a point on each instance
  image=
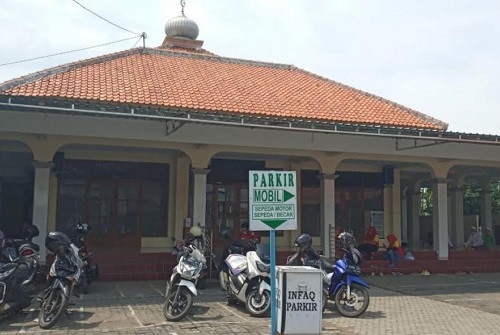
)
(274, 320)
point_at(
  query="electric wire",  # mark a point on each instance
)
(102, 18)
(67, 52)
(138, 40)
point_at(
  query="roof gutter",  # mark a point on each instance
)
(258, 122)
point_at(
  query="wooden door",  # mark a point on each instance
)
(227, 208)
(113, 211)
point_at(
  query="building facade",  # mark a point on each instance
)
(144, 143)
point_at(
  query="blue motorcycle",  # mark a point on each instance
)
(347, 288)
(341, 280)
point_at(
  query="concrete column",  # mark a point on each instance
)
(486, 211)
(180, 195)
(457, 216)
(41, 204)
(387, 193)
(440, 217)
(327, 182)
(415, 219)
(404, 216)
(199, 195)
(396, 204)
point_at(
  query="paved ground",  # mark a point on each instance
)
(436, 304)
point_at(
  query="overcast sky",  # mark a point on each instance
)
(440, 57)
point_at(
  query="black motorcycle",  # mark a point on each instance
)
(64, 273)
(21, 247)
(90, 271)
(17, 288)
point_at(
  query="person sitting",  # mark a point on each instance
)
(395, 251)
(475, 240)
(488, 239)
(247, 234)
(371, 243)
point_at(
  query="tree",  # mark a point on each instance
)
(426, 201)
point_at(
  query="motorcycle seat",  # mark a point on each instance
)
(327, 264)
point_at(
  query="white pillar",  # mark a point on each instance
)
(457, 216)
(396, 204)
(404, 217)
(440, 212)
(199, 195)
(486, 215)
(41, 204)
(387, 194)
(415, 219)
(327, 182)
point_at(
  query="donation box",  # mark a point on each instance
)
(299, 299)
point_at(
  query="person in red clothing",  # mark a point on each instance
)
(395, 251)
(247, 234)
(371, 243)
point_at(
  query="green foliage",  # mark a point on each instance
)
(472, 199)
(426, 201)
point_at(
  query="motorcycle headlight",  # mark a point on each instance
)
(187, 270)
(188, 267)
(7, 273)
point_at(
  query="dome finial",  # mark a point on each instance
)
(181, 31)
(183, 4)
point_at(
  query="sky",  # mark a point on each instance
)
(439, 57)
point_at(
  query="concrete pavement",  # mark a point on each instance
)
(435, 304)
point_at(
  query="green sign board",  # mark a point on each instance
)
(272, 200)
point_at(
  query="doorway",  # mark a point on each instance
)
(227, 208)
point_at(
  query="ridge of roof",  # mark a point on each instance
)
(401, 107)
(221, 59)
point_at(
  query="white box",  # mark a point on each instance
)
(299, 291)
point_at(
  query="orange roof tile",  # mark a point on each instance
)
(205, 82)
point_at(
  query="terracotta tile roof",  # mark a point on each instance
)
(205, 82)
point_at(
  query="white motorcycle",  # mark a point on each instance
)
(248, 281)
(181, 287)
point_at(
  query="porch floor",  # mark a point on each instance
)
(459, 261)
(158, 266)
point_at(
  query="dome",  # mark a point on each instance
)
(181, 26)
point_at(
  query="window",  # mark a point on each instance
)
(118, 199)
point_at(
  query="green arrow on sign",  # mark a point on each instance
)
(287, 196)
(273, 223)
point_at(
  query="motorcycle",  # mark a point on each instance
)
(90, 269)
(248, 280)
(17, 285)
(64, 273)
(341, 281)
(181, 287)
(240, 247)
(21, 247)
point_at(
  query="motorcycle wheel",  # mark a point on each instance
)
(85, 283)
(51, 309)
(258, 304)
(176, 310)
(325, 300)
(356, 305)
